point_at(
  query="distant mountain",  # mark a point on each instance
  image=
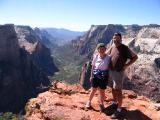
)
(46, 38)
(62, 36)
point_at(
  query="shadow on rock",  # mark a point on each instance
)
(128, 114)
(91, 108)
(135, 115)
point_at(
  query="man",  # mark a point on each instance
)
(120, 54)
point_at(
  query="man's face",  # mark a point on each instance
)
(117, 39)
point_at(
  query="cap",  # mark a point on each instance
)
(100, 45)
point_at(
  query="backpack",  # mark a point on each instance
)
(85, 74)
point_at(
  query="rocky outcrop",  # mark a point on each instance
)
(9, 48)
(144, 75)
(66, 102)
(21, 77)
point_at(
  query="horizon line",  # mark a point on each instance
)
(41, 27)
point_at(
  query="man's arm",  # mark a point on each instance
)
(132, 59)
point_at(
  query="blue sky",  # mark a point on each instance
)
(79, 14)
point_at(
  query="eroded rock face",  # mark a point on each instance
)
(86, 44)
(9, 48)
(46, 38)
(33, 43)
(21, 77)
(144, 75)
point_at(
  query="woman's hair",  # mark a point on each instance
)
(100, 45)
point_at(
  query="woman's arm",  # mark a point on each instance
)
(93, 65)
(91, 76)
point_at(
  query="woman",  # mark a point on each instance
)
(99, 74)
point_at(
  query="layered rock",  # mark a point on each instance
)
(86, 44)
(21, 76)
(145, 73)
(34, 43)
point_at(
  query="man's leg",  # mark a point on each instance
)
(113, 107)
(119, 98)
(117, 92)
(117, 114)
(114, 94)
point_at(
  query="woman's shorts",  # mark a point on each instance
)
(101, 83)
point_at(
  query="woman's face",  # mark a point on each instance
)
(102, 50)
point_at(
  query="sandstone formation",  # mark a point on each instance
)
(86, 44)
(145, 73)
(66, 102)
(35, 44)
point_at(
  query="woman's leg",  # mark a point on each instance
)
(102, 96)
(93, 91)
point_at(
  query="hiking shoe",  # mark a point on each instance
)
(102, 108)
(88, 105)
(111, 109)
(116, 115)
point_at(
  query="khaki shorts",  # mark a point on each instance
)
(116, 79)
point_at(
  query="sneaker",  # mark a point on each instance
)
(88, 104)
(116, 115)
(102, 108)
(111, 109)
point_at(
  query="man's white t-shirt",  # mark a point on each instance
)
(101, 64)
